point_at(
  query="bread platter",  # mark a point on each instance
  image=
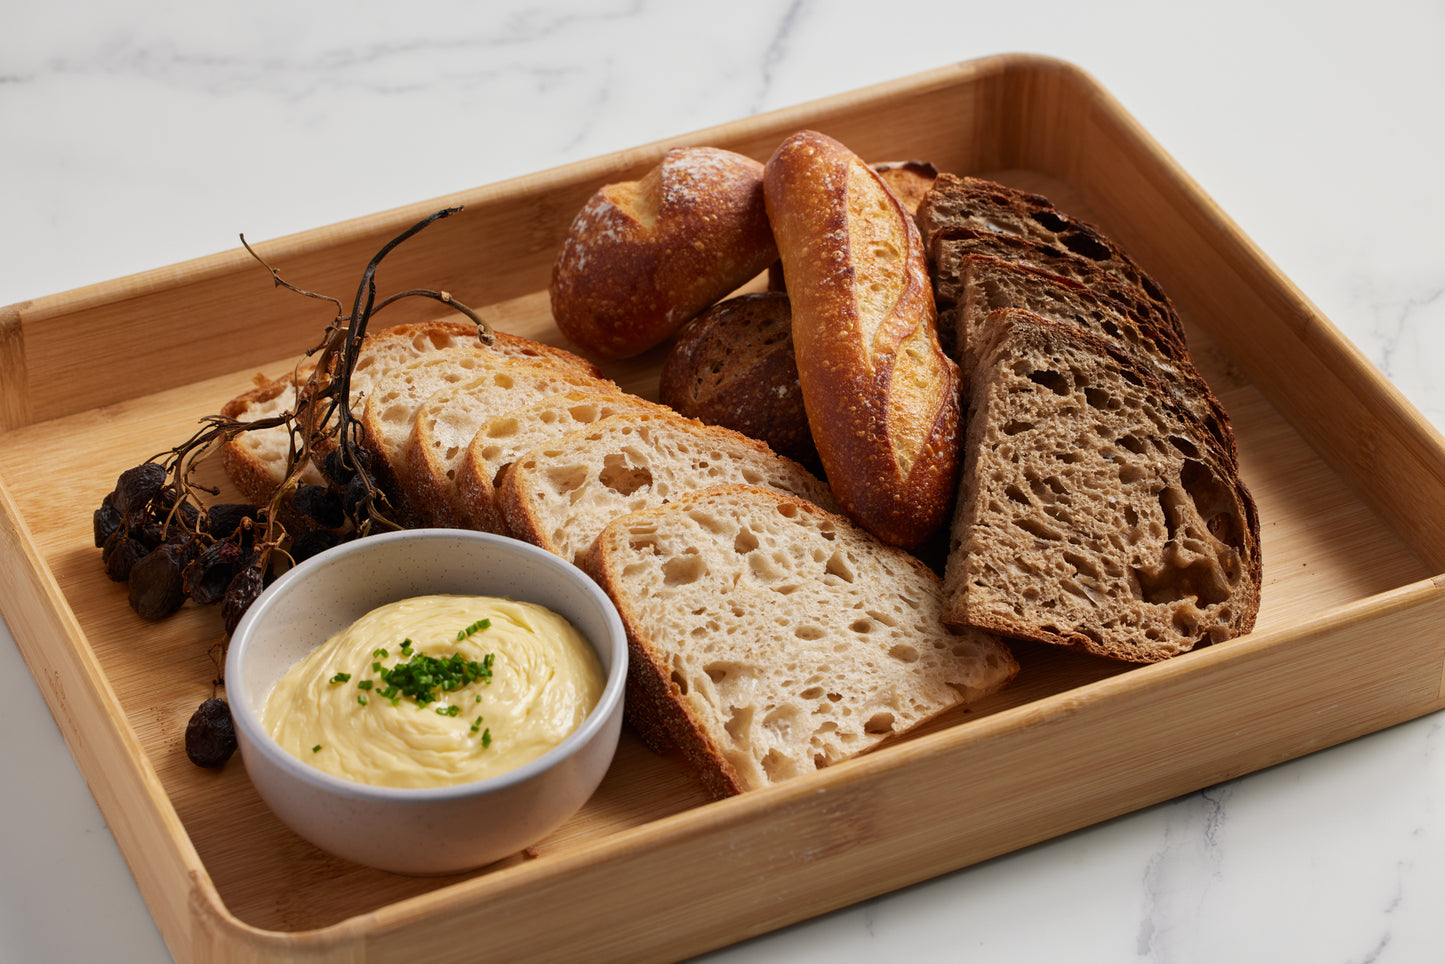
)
(1348, 478)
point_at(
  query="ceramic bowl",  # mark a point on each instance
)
(420, 831)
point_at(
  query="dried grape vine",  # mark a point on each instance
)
(157, 533)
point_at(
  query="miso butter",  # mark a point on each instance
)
(544, 680)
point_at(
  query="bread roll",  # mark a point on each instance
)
(733, 366)
(642, 257)
(881, 394)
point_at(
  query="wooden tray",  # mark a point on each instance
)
(1350, 483)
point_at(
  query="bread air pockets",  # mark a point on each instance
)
(770, 638)
(1095, 510)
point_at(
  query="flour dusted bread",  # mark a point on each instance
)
(1094, 511)
(560, 494)
(511, 434)
(644, 256)
(769, 638)
(880, 393)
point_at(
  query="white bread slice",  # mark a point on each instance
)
(256, 461)
(497, 443)
(446, 422)
(769, 638)
(560, 494)
(1095, 511)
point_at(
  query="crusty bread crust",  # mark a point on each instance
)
(881, 394)
(733, 366)
(769, 638)
(642, 257)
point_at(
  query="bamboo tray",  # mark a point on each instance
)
(1350, 483)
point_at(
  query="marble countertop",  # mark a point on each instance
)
(143, 134)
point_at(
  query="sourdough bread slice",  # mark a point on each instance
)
(1094, 511)
(1108, 310)
(560, 494)
(449, 418)
(963, 214)
(505, 437)
(256, 461)
(769, 638)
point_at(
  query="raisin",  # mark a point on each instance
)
(104, 521)
(120, 554)
(308, 544)
(136, 487)
(319, 504)
(156, 585)
(245, 586)
(224, 518)
(211, 734)
(209, 575)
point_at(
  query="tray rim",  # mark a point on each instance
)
(202, 899)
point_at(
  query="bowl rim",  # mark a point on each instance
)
(246, 715)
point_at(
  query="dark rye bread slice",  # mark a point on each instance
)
(768, 638)
(988, 283)
(1094, 511)
(962, 215)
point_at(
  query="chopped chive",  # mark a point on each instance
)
(361, 698)
(475, 627)
(365, 684)
(316, 748)
(340, 678)
(379, 653)
(486, 737)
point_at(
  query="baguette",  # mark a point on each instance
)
(642, 257)
(1094, 511)
(768, 638)
(880, 392)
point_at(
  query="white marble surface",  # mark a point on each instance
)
(138, 135)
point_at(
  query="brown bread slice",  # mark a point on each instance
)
(1094, 511)
(449, 418)
(769, 639)
(1108, 310)
(506, 436)
(559, 495)
(967, 214)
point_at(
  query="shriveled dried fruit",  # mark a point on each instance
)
(240, 594)
(319, 504)
(156, 585)
(224, 518)
(137, 486)
(120, 555)
(211, 734)
(210, 574)
(308, 544)
(104, 521)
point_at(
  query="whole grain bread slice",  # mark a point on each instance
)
(1094, 510)
(506, 436)
(769, 639)
(962, 215)
(561, 494)
(1108, 310)
(445, 423)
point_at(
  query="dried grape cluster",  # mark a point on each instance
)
(157, 533)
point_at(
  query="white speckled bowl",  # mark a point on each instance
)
(421, 831)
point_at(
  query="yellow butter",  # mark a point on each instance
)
(545, 680)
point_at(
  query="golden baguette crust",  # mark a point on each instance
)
(642, 257)
(880, 392)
